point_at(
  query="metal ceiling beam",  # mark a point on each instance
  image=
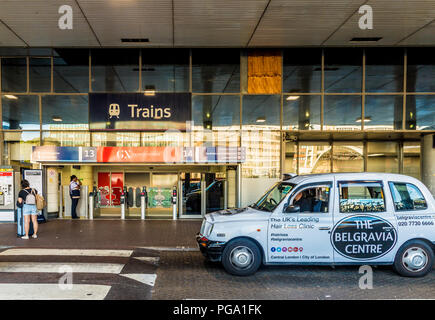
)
(87, 21)
(414, 32)
(343, 23)
(15, 34)
(258, 23)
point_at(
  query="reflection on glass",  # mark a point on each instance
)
(420, 112)
(407, 197)
(116, 139)
(66, 139)
(361, 197)
(18, 146)
(216, 112)
(384, 69)
(169, 138)
(383, 112)
(14, 74)
(348, 157)
(115, 70)
(301, 113)
(342, 113)
(314, 158)
(420, 70)
(20, 112)
(216, 70)
(262, 153)
(290, 165)
(411, 159)
(215, 138)
(343, 70)
(302, 70)
(71, 70)
(165, 69)
(261, 112)
(273, 197)
(382, 157)
(40, 74)
(65, 112)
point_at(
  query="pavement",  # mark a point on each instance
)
(103, 234)
(53, 274)
(116, 260)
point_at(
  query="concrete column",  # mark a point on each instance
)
(428, 162)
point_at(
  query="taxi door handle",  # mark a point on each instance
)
(324, 228)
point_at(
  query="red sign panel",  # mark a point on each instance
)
(139, 154)
(5, 174)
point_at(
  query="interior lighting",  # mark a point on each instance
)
(292, 98)
(366, 119)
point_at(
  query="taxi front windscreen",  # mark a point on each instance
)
(270, 200)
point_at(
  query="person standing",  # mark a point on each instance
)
(27, 197)
(74, 190)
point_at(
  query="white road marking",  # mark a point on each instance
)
(29, 291)
(148, 279)
(154, 260)
(66, 252)
(171, 248)
(56, 267)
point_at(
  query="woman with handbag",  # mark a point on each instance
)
(74, 190)
(27, 198)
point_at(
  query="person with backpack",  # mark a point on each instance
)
(27, 197)
(74, 190)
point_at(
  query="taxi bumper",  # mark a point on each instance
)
(211, 250)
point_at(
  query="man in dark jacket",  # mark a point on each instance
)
(303, 201)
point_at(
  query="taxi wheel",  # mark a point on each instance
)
(414, 259)
(241, 257)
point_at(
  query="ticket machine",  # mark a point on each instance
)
(7, 194)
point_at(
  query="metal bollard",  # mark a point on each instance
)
(91, 206)
(143, 201)
(142, 206)
(123, 206)
(174, 203)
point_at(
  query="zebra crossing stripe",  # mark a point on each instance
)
(153, 260)
(148, 279)
(59, 267)
(66, 252)
(43, 291)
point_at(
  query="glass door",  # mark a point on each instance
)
(190, 195)
(117, 179)
(110, 185)
(215, 190)
(202, 193)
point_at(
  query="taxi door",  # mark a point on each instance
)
(365, 228)
(303, 236)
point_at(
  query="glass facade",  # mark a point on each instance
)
(44, 100)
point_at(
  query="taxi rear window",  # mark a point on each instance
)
(407, 197)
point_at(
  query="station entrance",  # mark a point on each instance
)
(116, 191)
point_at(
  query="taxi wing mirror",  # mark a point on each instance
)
(292, 209)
